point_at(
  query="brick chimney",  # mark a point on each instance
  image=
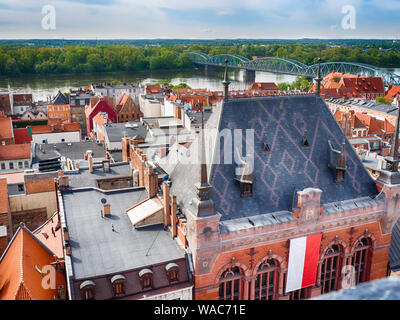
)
(166, 200)
(107, 210)
(90, 159)
(151, 182)
(173, 216)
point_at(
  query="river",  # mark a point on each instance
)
(44, 86)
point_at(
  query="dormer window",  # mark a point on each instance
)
(246, 190)
(87, 290)
(118, 284)
(172, 272)
(146, 279)
(305, 140)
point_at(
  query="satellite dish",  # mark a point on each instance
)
(103, 200)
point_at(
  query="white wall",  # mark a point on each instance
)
(150, 108)
(56, 137)
(16, 168)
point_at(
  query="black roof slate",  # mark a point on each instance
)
(287, 167)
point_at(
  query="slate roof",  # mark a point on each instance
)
(286, 168)
(59, 99)
(96, 250)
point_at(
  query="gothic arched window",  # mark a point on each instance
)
(361, 260)
(266, 281)
(331, 269)
(231, 284)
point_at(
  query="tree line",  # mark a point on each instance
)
(107, 58)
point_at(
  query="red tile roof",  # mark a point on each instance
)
(153, 88)
(62, 127)
(21, 136)
(53, 240)
(15, 151)
(264, 86)
(21, 266)
(392, 93)
(6, 131)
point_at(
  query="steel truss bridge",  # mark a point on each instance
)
(293, 67)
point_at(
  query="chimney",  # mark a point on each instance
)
(173, 216)
(90, 158)
(107, 210)
(151, 182)
(167, 208)
(106, 165)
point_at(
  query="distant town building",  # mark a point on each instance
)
(59, 112)
(63, 132)
(127, 109)
(100, 106)
(15, 157)
(337, 85)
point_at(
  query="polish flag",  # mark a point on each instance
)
(303, 262)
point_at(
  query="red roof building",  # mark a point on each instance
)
(392, 93)
(269, 88)
(22, 135)
(22, 99)
(5, 103)
(23, 266)
(127, 110)
(92, 111)
(15, 152)
(6, 130)
(153, 88)
(336, 85)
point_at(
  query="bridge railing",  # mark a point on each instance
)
(294, 67)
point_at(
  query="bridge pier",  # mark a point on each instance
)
(249, 75)
(209, 70)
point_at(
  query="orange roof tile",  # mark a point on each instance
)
(6, 131)
(15, 151)
(21, 136)
(392, 93)
(19, 277)
(52, 240)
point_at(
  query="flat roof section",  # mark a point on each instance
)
(97, 250)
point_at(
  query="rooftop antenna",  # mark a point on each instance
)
(318, 78)
(393, 158)
(147, 253)
(226, 82)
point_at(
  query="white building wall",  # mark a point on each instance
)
(56, 137)
(150, 108)
(5, 165)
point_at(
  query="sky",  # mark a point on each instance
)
(199, 19)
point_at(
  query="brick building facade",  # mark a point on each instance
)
(305, 181)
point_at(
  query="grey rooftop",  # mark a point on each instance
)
(132, 129)
(73, 150)
(98, 250)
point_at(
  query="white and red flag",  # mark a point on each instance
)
(303, 262)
